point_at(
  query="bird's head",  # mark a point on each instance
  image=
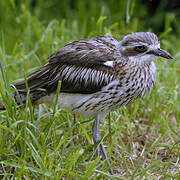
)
(142, 47)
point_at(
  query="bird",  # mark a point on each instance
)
(98, 75)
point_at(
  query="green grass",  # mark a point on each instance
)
(46, 142)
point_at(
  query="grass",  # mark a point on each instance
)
(46, 142)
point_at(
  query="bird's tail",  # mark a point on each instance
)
(36, 81)
(21, 97)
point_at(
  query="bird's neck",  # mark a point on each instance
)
(145, 59)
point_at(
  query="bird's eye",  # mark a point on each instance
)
(141, 48)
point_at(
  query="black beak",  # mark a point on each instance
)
(162, 53)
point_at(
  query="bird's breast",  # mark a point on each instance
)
(138, 80)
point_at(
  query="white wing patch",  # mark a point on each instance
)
(109, 63)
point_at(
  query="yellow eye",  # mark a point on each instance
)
(141, 48)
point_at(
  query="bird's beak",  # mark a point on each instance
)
(162, 53)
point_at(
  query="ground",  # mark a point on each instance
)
(45, 142)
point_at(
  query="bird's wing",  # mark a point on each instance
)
(87, 53)
(84, 66)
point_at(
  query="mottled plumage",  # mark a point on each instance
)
(99, 68)
(98, 75)
(80, 66)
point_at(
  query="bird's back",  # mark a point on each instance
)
(94, 75)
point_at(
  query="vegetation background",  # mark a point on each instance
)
(142, 139)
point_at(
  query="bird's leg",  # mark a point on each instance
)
(97, 138)
(96, 135)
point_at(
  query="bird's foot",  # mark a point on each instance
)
(98, 148)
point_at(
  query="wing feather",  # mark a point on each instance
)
(88, 52)
(81, 66)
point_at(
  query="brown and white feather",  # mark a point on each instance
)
(98, 75)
